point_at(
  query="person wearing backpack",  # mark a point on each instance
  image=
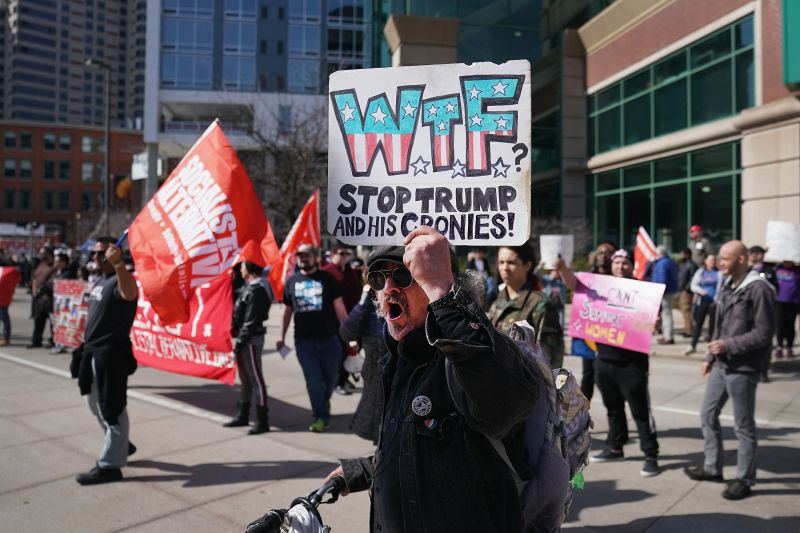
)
(738, 354)
(519, 299)
(622, 376)
(451, 382)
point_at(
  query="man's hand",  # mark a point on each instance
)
(114, 255)
(279, 344)
(717, 347)
(427, 256)
(339, 472)
(705, 368)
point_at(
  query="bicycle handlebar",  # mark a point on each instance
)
(271, 522)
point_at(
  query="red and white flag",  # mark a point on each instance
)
(9, 279)
(644, 252)
(305, 230)
(203, 220)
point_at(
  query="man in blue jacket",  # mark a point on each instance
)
(665, 271)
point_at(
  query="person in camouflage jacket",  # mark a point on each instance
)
(520, 299)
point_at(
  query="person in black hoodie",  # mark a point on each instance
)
(249, 313)
(450, 380)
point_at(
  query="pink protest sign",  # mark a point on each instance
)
(615, 311)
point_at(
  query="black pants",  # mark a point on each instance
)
(39, 323)
(700, 310)
(587, 378)
(787, 313)
(620, 383)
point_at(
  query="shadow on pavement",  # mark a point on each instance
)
(602, 493)
(209, 474)
(717, 522)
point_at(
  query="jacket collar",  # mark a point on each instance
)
(521, 298)
(414, 348)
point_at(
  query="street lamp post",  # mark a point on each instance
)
(102, 65)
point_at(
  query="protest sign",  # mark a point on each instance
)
(204, 219)
(446, 146)
(783, 242)
(615, 311)
(305, 230)
(70, 310)
(201, 346)
(9, 279)
(552, 247)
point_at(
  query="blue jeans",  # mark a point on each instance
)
(319, 358)
(5, 321)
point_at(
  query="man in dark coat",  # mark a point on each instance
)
(107, 359)
(450, 380)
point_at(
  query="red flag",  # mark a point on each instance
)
(9, 278)
(204, 219)
(644, 252)
(200, 347)
(305, 230)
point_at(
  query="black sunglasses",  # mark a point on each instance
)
(401, 277)
(97, 252)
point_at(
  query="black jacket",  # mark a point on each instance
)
(446, 387)
(250, 311)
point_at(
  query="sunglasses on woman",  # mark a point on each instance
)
(401, 277)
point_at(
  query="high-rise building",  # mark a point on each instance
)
(45, 46)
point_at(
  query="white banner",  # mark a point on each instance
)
(446, 146)
(783, 242)
(552, 247)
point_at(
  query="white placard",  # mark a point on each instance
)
(446, 146)
(553, 246)
(783, 242)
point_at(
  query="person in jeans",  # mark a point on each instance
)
(247, 325)
(705, 285)
(787, 305)
(622, 376)
(107, 359)
(314, 297)
(9, 278)
(665, 271)
(737, 355)
(686, 270)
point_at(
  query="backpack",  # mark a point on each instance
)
(557, 440)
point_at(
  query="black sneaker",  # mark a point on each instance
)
(608, 455)
(698, 473)
(131, 449)
(737, 490)
(98, 475)
(650, 467)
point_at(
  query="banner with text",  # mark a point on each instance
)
(783, 242)
(615, 311)
(70, 310)
(446, 146)
(201, 346)
(551, 247)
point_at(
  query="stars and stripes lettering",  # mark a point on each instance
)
(440, 114)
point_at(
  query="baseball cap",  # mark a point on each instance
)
(395, 255)
(623, 253)
(696, 228)
(306, 249)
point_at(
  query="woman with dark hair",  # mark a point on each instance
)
(519, 298)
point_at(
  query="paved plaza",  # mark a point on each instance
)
(191, 474)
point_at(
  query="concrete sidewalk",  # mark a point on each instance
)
(191, 473)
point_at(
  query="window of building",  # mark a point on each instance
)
(10, 140)
(198, 8)
(245, 9)
(304, 41)
(10, 168)
(305, 11)
(87, 171)
(345, 43)
(303, 76)
(25, 169)
(668, 195)
(48, 200)
(264, 12)
(280, 13)
(346, 11)
(544, 134)
(25, 200)
(65, 141)
(239, 37)
(25, 141)
(64, 170)
(49, 141)
(186, 71)
(86, 201)
(9, 199)
(49, 170)
(239, 73)
(279, 48)
(711, 79)
(263, 47)
(63, 200)
(187, 35)
(88, 144)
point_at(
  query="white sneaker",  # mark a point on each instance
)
(689, 351)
